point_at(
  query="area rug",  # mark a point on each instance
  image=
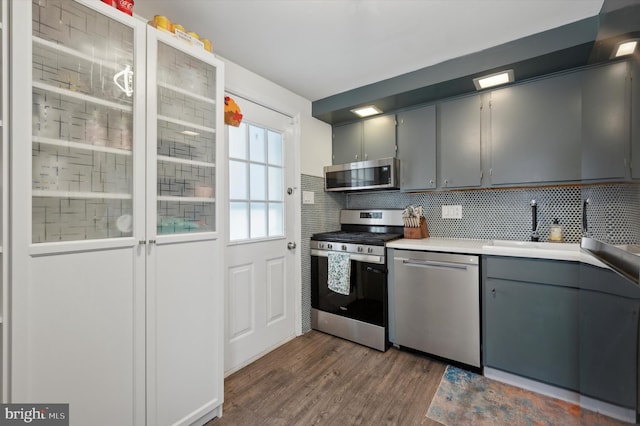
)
(465, 398)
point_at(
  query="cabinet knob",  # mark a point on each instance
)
(446, 182)
(493, 292)
(142, 242)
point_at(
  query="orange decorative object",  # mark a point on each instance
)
(162, 23)
(232, 113)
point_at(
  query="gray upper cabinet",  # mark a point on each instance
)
(606, 122)
(535, 131)
(347, 143)
(370, 139)
(417, 148)
(459, 163)
(379, 137)
(570, 127)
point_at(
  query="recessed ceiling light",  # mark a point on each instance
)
(189, 133)
(626, 48)
(366, 111)
(495, 79)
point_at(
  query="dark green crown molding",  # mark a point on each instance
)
(577, 44)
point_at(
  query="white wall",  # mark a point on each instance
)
(315, 135)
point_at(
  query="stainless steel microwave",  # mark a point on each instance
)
(363, 175)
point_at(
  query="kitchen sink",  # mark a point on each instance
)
(531, 245)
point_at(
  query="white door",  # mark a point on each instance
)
(262, 280)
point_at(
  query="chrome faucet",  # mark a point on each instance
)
(585, 228)
(534, 220)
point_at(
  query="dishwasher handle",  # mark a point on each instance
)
(432, 264)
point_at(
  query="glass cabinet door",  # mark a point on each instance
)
(4, 300)
(82, 145)
(186, 142)
(4, 100)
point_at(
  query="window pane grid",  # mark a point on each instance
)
(256, 183)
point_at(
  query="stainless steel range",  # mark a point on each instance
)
(359, 313)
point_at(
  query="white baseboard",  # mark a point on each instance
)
(258, 356)
(614, 411)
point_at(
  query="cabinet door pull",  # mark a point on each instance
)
(142, 242)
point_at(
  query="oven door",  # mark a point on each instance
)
(367, 300)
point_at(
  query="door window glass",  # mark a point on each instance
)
(256, 184)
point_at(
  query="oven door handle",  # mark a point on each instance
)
(357, 257)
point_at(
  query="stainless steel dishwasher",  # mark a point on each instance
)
(437, 304)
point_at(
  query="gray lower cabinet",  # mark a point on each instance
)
(370, 139)
(606, 127)
(536, 131)
(567, 324)
(531, 319)
(459, 163)
(417, 148)
(608, 336)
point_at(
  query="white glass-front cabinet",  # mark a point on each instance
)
(116, 306)
(78, 212)
(185, 311)
(4, 137)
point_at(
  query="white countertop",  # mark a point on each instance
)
(539, 250)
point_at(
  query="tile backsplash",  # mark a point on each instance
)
(322, 216)
(613, 214)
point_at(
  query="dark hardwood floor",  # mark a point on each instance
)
(318, 379)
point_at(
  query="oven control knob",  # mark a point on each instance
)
(370, 250)
(320, 245)
(344, 247)
(329, 246)
(360, 249)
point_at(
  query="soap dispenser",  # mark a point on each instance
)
(555, 232)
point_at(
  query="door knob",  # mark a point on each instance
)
(291, 245)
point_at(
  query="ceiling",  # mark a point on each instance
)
(321, 48)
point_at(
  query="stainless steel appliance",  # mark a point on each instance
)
(362, 315)
(363, 175)
(437, 304)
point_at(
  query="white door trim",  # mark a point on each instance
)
(297, 200)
